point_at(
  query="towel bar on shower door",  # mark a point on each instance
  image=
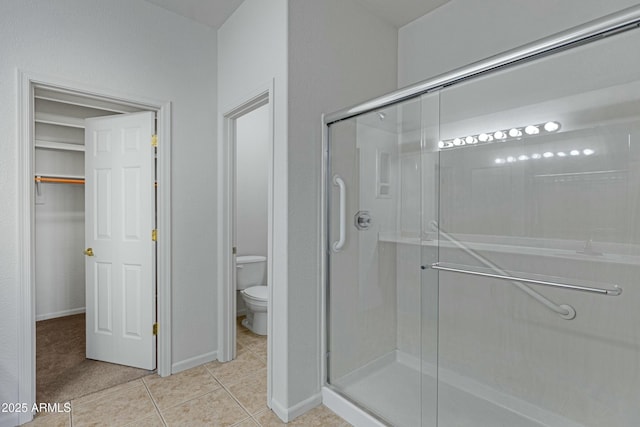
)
(601, 291)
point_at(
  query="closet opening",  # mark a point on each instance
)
(96, 183)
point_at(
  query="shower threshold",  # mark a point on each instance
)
(392, 388)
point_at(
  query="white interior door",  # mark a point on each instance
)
(120, 217)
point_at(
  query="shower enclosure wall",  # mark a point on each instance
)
(483, 245)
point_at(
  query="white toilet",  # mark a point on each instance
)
(251, 281)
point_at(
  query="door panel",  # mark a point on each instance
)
(546, 189)
(120, 216)
(375, 290)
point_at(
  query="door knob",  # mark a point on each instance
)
(88, 252)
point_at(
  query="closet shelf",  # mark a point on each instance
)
(54, 145)
(59, 120)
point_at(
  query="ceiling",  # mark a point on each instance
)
(215, 12)
(400, 12)
(209, 12)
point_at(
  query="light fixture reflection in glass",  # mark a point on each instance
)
(551, 126)
(441, 144)
(483, 137)
(532, 130)
(546, 155)
(500, 135)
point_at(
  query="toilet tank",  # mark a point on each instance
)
(251, 271)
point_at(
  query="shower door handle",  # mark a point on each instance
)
(337, 246)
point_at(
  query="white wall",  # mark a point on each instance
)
(252, 156)
(318, 40)
(59, 233)
(59, 236)
(464, 31)
(339, 54)
(138, 50)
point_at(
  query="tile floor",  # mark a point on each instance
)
(214, 394)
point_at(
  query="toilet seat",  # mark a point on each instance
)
(257, 293)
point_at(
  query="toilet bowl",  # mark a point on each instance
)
(251, 284)
(255, 298)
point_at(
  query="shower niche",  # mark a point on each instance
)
(495, 284)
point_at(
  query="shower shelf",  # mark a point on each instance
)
(515, 249)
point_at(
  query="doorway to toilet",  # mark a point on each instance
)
(245, 227)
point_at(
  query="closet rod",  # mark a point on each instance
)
(67, 180)
(59, 180)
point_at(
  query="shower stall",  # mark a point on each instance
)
(483, 241)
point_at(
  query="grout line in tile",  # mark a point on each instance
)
(236, 399)
(209, 392)
(257, 414)
(237, 379)
(164, 422)
(191, 398)
(242, 420)
(239, 403)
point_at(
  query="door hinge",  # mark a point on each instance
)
(154, 140)
(155, 329)
(234, 250)
(154, 235)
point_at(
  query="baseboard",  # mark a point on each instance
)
(193, 362)
(288, 414)
(280, 410)
(9, 420)
(62, 313)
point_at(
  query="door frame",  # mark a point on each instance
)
(27, 82)
(263, 96)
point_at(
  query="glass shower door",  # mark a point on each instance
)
(539, 241)
(374, 296)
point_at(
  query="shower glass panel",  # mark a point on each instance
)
(375, 297)
(538, 230)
